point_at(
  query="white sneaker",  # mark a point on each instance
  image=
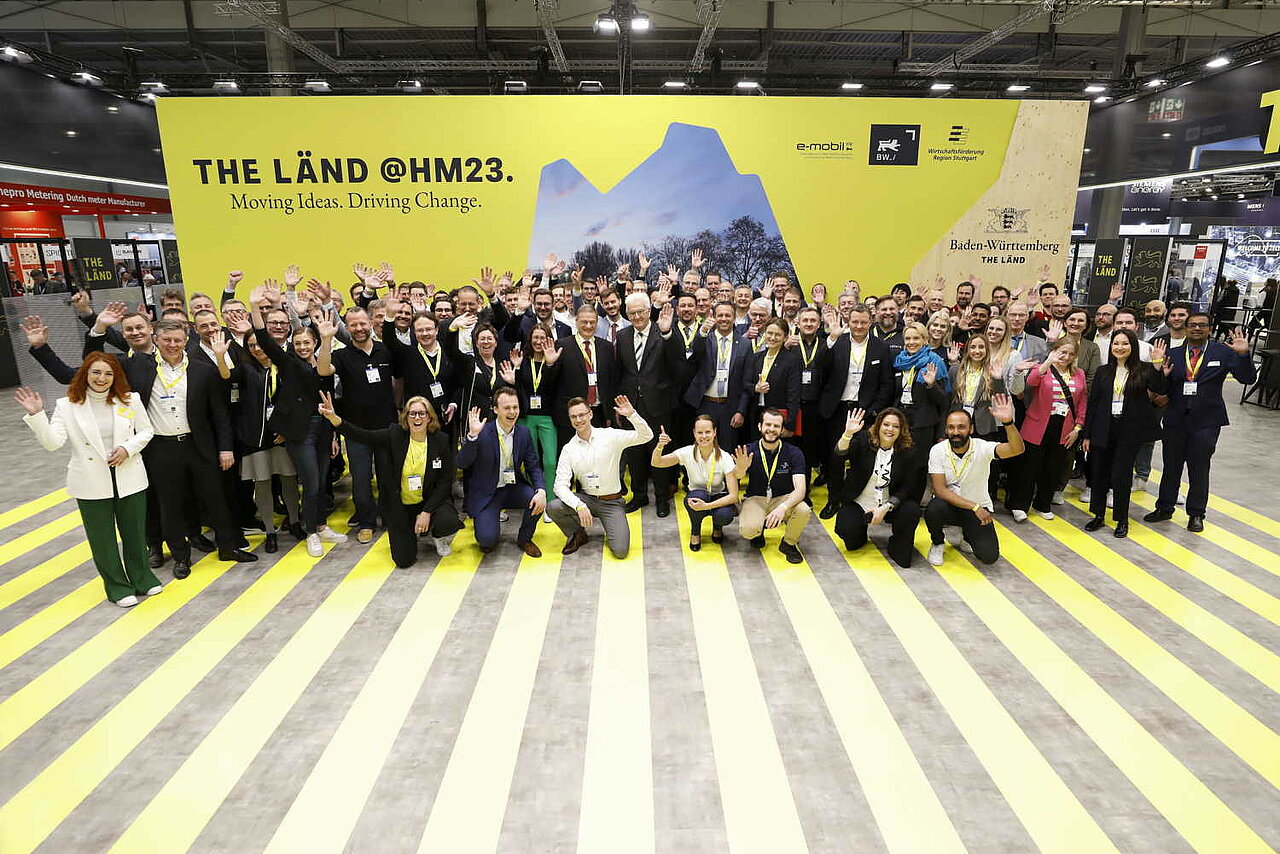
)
(964, 546)
(313, 545)
(1019, 515)
(1057, 498)
(328, 535)
(1139, 484)
(442, 544)
(127, 602)
(935, 554)
(1045, 514)
(546, 517)
(1086, 494)
(502, 517)
(154, 591)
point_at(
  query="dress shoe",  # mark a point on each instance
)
(181, 569)
(717, 535)
(828, 511)
(1158, 516)
(1095, 523)
(663, 509)
(155, 556)
(820, 480)
(635, 504)
(271, 545)
(790, 552)
(530, 548)
(242, 542)
(1122, 529)
(757, 542)
(577, 541)
(295, 531)
(1195, 524)
(201, 543)
(695, 546)
(237, 555)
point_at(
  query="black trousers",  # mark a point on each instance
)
(404, 542)
(1193, 449)
(836, 465)
(813, 438)
(939, 514)
(179, 473)
(637, 462)
(1112, 468)
(1037, 476)
(851, 527)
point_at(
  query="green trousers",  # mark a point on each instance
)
(543, 430)
(101, 517)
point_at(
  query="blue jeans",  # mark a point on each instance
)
(311, 460)
(487, 522)
(360, 463)
(720, 516)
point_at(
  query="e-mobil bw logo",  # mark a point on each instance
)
(894, 145)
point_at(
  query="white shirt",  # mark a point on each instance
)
(857, 363)
(724, 358)
(966, 475)
(594, 462)
(875, 493)
(698, 468)
(168, 406)
(213, 357)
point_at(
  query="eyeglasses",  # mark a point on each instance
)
(415, 415)
(1200, 324)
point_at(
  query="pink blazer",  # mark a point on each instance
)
(1040, 409)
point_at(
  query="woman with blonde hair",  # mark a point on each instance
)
(938, 329)
(922, 384)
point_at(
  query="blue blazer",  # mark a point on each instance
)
(739, 357)
(1205, 408)
(483, 459)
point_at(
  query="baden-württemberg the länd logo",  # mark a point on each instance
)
(894, 145)
(1007, 220)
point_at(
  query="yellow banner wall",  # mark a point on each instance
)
(878, 190)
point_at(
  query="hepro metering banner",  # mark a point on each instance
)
(879, 190)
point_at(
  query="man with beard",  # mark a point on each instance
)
(1175, 329)
(960, 469)
(610, 319)
(775, 491)
(887, 328)
(540, 311)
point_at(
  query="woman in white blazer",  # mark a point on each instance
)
(107, 428)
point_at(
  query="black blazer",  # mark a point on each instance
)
(812, 391)
(784, 385)
(652, 385)
(52, 364)
(298, 392)
(739, 357)
(928, 405)
(518, 327)
(1140, 418)
(547, 383)
(876, 390)
(391, 447)
(417, 375)
(906, 472)
(573, 377)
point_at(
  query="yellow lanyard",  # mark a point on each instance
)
(1193, 368)
(493, 379)
(970, 385)
(808, 356)
(535, 368)
(435, 369)
(909, 378)
(1117, 388)
(755, 344)
(769, 359)
(764, 463)
(687, 334)
(271, 383)
(711, 470)
(505, 450)
(959, 472)
(182, 372)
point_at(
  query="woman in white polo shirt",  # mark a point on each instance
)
(713, 489)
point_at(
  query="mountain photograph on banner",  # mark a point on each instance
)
(687, 194)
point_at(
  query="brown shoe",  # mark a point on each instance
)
(530, 548)
(577, 541)
(364, 536)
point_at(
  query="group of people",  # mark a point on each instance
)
(554, 395)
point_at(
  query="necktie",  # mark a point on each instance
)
(639, 347)
(591, 369)
(613, 333)
(723, 364)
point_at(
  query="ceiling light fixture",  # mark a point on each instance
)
(229, 87)
(316, 86)
(748, 84)
(1017, 87)
(1094, 88)
(590, 87)
(86, 78)
(941, 87)
(1166, 136)
(14, 54)
(606, 24)
(155, 86)
(1101, 99)
(410, 85)
(674, 84)
(72, 133)
(850, 87)
(1155, 82)
(1218, 62)
(514, 87)
(640, 23)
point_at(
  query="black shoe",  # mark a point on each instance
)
(201, 543)
(295, 531)
(693, 547)
(155, 556)
(757, 542)
(271, 546)
(238, 555)
(820, 480)
(1195, 524)
(635, 504)
(181, 569)
(717, 535)
(1122, 529)
(1158, 516)
(791, 552)
(1095, 523)
(828, 511)
(243, 542)
(664, 509)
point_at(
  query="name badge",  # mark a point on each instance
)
(688, 354)
(722, 376)
(1213, 365)
(435, 464)
(507, 477)
(1188, 389)
(437, 390)
(372, 374)
(124, 412)
(591, 482)
(535, 401)
(235, 394)
(875, 361)
(1059, 408)
(1117, 407)
(806, 377)
(907, 397)
(271, 410)
(415, 482)
(591, 378)
(768, 492)
(968, 407)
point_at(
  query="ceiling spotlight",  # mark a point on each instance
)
(1166, 135)
(1218, 62)
(86, 78)
(1184, 198)
(1206, 180)
(640, 23)
(1214, 197)
(606, 24)
(849, 87)
(316, 86)
(113, 109)
(1094, 88)
(1155, 83)
(1087, 150)
(675, 84)
(72, 134)
(1241, 196)
(1101, 99)
(590, 87)
(14, 54)
(748, 84)
(514, 87)
(1017, 87)
(410, 85)
(941, 87)
(155, 86)
(226, 86)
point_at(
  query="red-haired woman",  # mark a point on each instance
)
(107, 428)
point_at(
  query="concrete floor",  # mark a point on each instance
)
(1072, 697)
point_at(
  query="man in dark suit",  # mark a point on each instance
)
(540, 311)
(502, 472)
(589, 370)
(860, 376)
(1196, 414)
(650, 360)
(692, 335)
(719, 387)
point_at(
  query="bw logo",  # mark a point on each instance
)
(894, 145)
(1008, 221)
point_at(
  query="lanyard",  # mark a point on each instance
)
(764, 463)
(435, 369)
(504, 450)
(586, 355)
(271, 383)
(858, 362)
(909, 379)
(181, 369)
(493, 379)
(1193, 368)
(970, 385)
(755, 344)
(808, 357)
(724, 344)
(535, 368)
(711, 464)
(687, 334)
(964, 467)
(769, 359)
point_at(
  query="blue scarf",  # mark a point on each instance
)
(923, 357)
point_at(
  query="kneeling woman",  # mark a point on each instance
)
(884, 483)
(414, 461)
(713, 489)
(107, 428)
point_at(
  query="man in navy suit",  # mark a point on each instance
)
(502, 472)
(1196, 414)
(719, 387)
